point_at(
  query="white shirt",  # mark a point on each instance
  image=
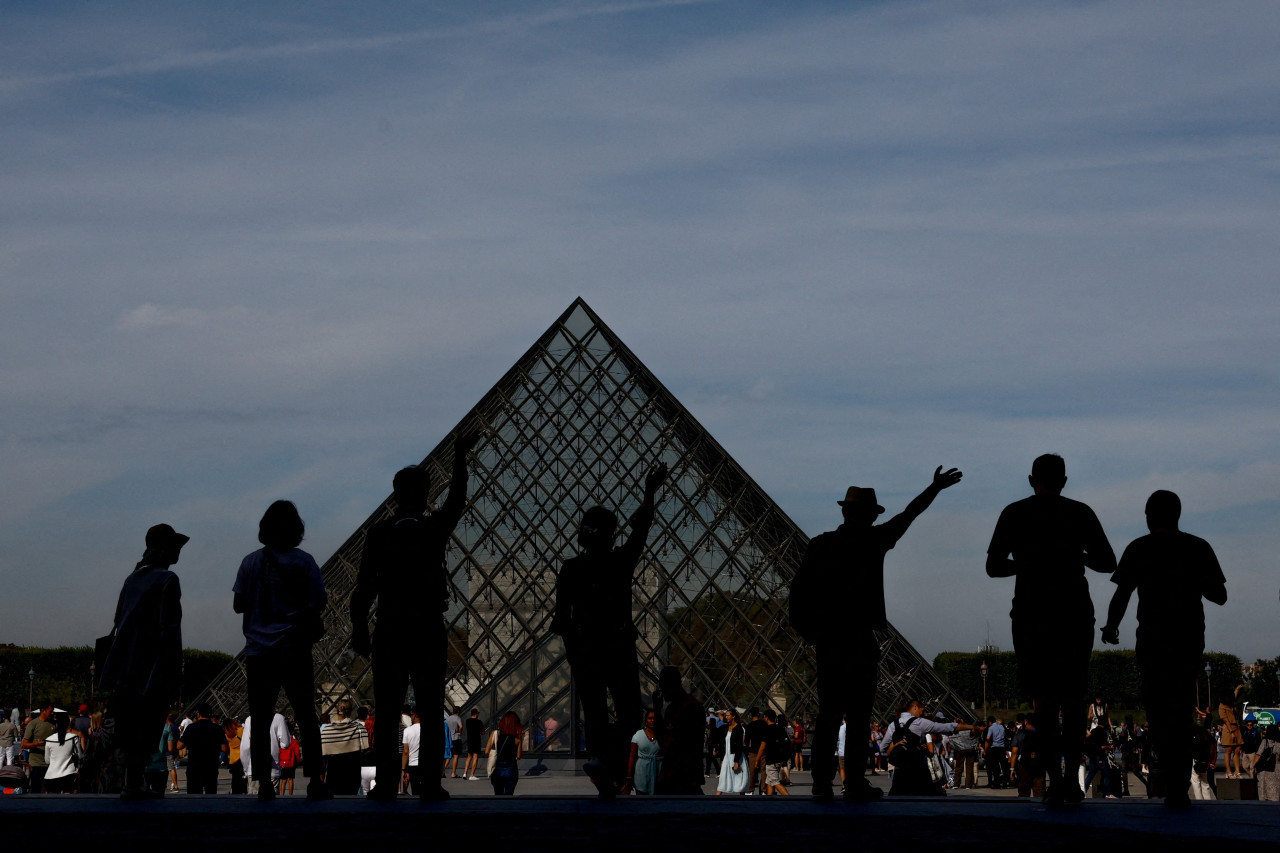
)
(921, 726)
(412, 740)
(280, 737)
(60, 755)
(840, 741)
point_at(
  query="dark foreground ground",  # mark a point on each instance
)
(657, 825)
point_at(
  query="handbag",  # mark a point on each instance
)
(491, 753)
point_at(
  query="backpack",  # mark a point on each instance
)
(811, 606)
(905, 745)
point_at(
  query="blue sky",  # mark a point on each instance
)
(253, 251)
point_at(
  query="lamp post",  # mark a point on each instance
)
(1208, 678)
(31, 685)
(983, 670)
(93, 679)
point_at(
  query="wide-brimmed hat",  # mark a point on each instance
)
(162, 535)
(861, 496)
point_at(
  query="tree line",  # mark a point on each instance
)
(1113, 675)
(63, 674)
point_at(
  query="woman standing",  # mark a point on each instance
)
(282, 597)
(643, 765)
(62, 751)
(735, 771)
(343, 741)
(507, 743)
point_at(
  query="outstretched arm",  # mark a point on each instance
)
(941, 480)
(642, 518)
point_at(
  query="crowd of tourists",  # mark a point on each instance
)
(51, 751)
(837, 603)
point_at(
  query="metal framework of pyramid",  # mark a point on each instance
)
(575, 423)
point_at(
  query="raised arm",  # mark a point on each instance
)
(941, 480)
(642, 518)
(451, 512)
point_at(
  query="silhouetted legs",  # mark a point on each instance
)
(266, 674)
(1053, 666)
(1168, 691)
(598, 673)
(139, 720)
(395, 661)
(846, 687)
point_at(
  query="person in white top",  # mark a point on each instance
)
(840, 753)
(410, 770)
(62, 751)
(280, 738)
(911, 772)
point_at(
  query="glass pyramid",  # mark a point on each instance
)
(577, 422)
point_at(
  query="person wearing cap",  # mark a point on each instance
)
(841, 601)
(593, 616)
(143, 668)
(1045, 542)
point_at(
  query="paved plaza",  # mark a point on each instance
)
(557, 810)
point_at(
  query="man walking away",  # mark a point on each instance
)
(1171, 571)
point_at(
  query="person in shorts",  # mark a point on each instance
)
(474, 730)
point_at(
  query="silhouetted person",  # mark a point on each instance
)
(1046, 541)
(143, 669)
(837, 603)
(680, 727)
(281, 594)
(1171, 571)
(593, 615)
(204, 743)
(404, 569)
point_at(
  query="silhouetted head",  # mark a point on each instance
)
(409, 487)
(915, 708)
(203, 710)
(770, 716)
(859, 506)
(1163, 511)
(163, 545)
(1048, 474)
(281, 527)
(1031, 720)
(670, 683)
(595, 533)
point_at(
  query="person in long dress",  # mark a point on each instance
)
(642, 766)
(735, 771)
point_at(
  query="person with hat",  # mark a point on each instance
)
(837, 603)
(144, 665)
